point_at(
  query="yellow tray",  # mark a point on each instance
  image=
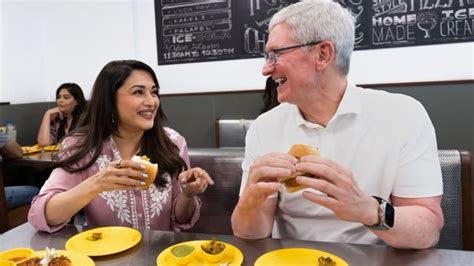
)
(296, 256)
(114, 239)
(232, 255)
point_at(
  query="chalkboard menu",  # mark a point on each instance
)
(396, 23)
(209, 30)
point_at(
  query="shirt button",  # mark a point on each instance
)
(140, 215)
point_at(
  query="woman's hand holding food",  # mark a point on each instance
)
(119, 175)
(194, 181)
(124, 174)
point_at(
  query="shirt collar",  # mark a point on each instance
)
(350, 104)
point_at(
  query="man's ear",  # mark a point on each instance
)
(325, 54)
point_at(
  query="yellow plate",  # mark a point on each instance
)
(296, 256)
(18, 255)
(7, 263)
(232, 255)
(77, 259)
(114, 239)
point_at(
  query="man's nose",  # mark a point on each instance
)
(267, 68)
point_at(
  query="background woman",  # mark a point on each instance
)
(58, 121)
(95, 173)
(270, 95)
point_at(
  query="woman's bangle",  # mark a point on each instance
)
(185, 193)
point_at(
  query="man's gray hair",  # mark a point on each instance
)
(321, 20)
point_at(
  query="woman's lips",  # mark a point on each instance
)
(146, 114)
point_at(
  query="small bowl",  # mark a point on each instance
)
(212, 257)
(17, 255)
(182, 254)
(7, 263)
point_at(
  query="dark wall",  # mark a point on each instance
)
(26, 118)
(451, 109)
(194, 116)
(450, 106)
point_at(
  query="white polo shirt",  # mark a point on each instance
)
(387, 140)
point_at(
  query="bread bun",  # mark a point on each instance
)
(298, 151)
(151, 169)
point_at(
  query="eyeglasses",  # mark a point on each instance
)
(272, 56)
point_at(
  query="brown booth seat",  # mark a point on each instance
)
(219, 200)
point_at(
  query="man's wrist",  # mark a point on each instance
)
(373, 213)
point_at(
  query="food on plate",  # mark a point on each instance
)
(30, 149)
(298, 151)
(37, 148)
(326, 261)
(51, 258)
(182, 250)
(182, 254)
(60, 260)
(213, 247)
(51, 148)
(213, 251)
(94, 236)
(151, 169)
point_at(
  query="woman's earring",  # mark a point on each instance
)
(113, 119)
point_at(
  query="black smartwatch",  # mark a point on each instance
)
(386, 215)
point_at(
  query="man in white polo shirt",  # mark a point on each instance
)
(379, 173)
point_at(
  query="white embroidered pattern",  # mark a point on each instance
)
(102, 161)
(116, 200)
(159, 196)
(172, 134)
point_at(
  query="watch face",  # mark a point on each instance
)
(386, 215)
(389, 215)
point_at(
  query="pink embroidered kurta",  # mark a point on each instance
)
(152, 208)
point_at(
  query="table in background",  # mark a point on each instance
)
(43, 159)
(39, 160)
(154, 242)
(33, 168)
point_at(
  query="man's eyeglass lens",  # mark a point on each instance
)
(272, 56)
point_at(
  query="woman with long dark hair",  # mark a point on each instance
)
(58, 121)
(95, 172)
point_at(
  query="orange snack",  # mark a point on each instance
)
(151, 169)
(298, 151)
